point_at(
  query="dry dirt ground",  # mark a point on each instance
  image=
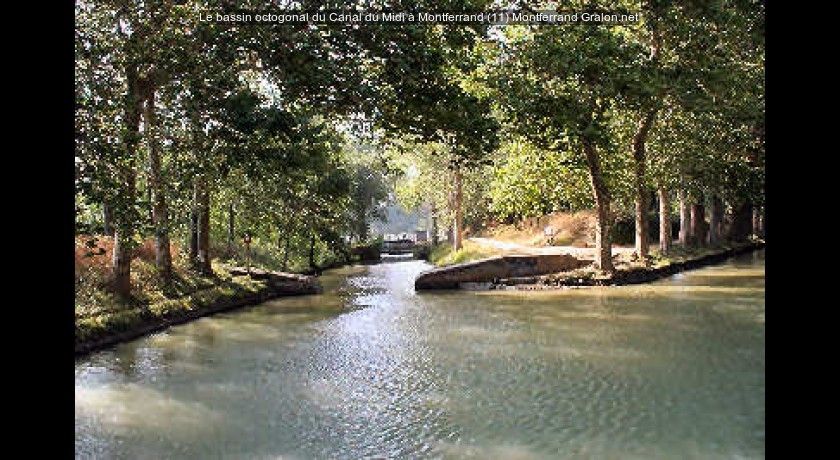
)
(515, 248)
(573, 233)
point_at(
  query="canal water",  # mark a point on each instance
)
(672, 369)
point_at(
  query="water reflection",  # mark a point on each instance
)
(671, 369)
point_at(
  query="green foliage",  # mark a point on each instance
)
(99, 313)
(267, 119)
(528, 181)
(445, 254)
(422, 251)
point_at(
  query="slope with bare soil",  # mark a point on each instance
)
(568, 233)
(576, 229)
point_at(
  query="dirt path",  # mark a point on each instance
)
(513, 248)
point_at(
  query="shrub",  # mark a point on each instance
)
(422, 251)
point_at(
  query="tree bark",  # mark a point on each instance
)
(150, 200)
(685, 220)
(312, 263)
(715, 220)
(160, 208)
(287, 238)
(107, 218)
(125, 198)
(741, 226)
(761, 223)
(756, 221)
(641, 198)
(664, 221)
(121, 265)
(194, 227)
(698, 223)
(203, 234)
(457, 232)
(603, 222)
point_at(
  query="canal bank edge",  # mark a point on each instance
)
(497, 267)
(275, 285)
(453, 276)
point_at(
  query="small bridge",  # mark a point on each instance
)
(401, 246)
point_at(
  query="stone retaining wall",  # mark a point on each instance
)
(450, 277)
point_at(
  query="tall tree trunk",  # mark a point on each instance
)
(698, 223)
(458, 231)
(664, 221)
(715, 220)
(194, 227)
(203, 234)
(150, 200)
(125, 197)
(121, 264)
(107, 218)
(160, 208)
(741, 227)
(685, 220)
(312, 263)
(287, 237)
(756, 221)
(761, 223)
(603, 222)
(641, 198)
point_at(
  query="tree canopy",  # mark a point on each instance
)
(297, 133)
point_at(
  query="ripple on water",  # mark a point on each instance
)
(667, 370)
(511, 451)
(128, 407)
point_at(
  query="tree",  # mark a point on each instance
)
(369, 187)
(557, 86)
(529, 181)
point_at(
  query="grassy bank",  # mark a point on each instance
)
(445, 254)
(102, 319)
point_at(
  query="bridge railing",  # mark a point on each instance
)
(398, 246)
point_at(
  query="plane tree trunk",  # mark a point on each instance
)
(457, 233)
(603, 222)
(664, 221)
(685, 220)
(126, 190)
(715, 220)
(641, 191)
(698, 223)
(160, 208)
(202, 203)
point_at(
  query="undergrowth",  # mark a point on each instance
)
(445, 254)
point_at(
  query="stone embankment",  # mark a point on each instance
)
(494, 268)
(552, 271)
